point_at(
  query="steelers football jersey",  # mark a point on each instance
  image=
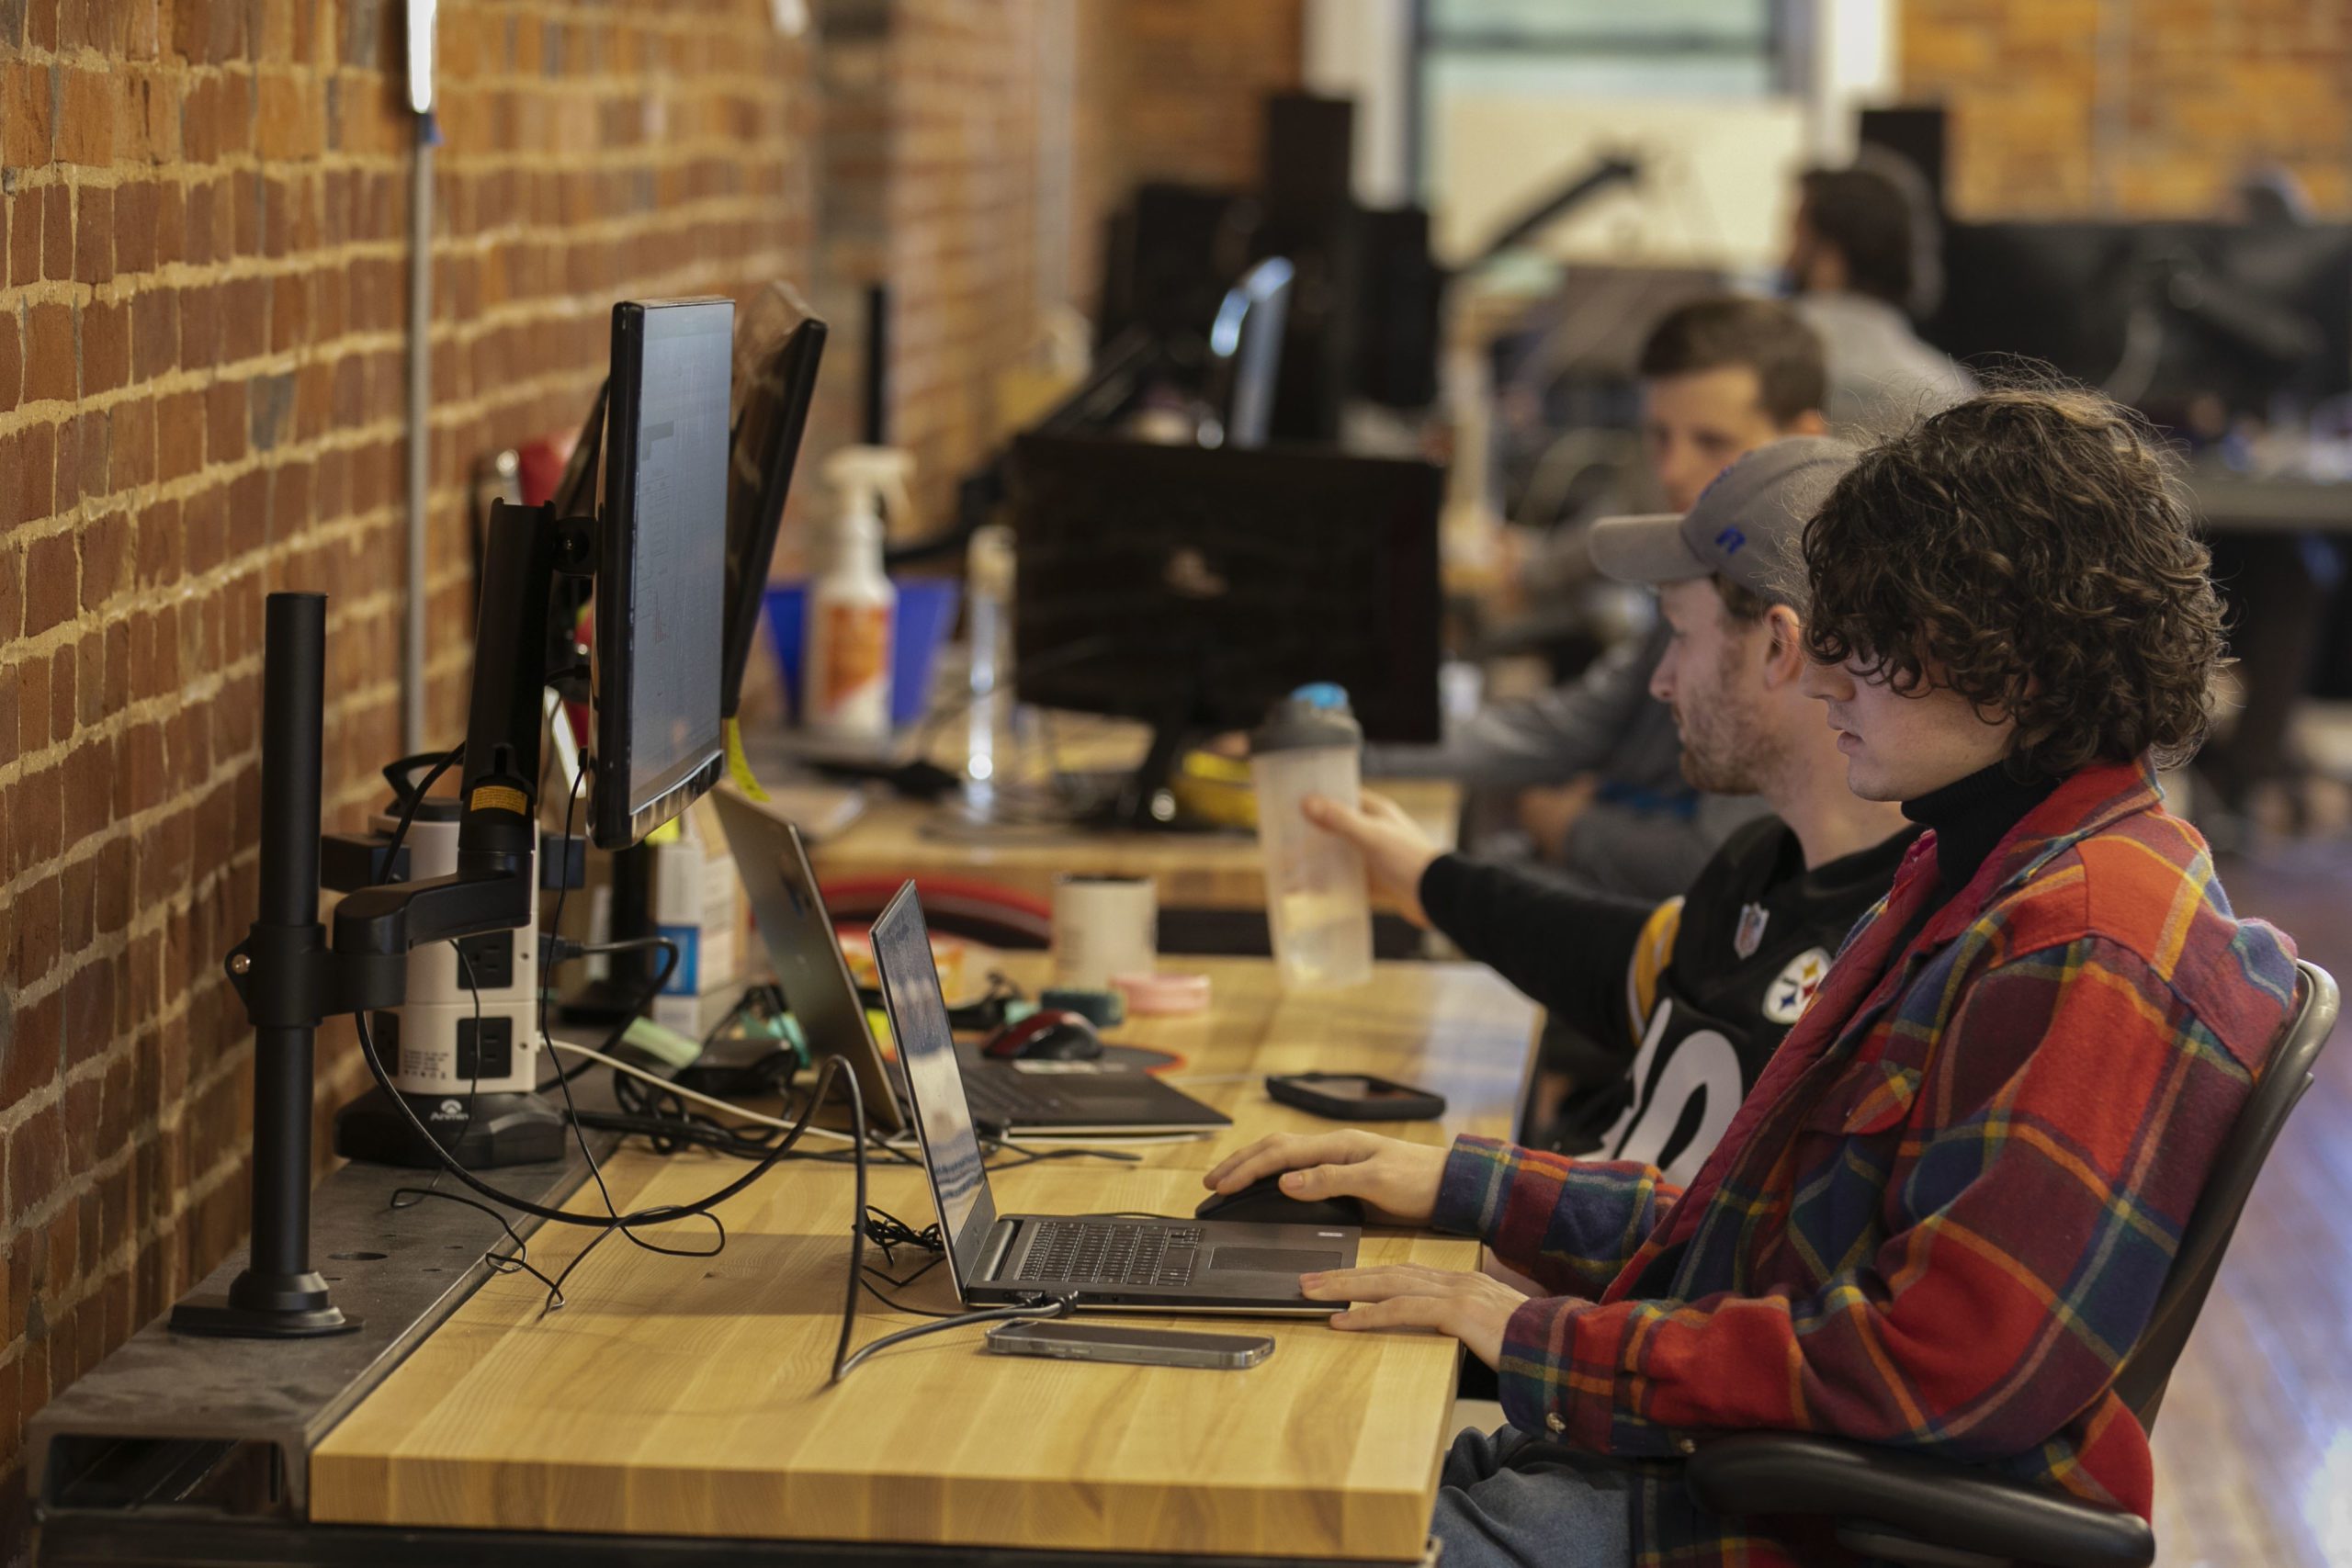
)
(1717, 978)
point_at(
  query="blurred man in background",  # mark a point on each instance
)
(1854, 265)
(1607, 803)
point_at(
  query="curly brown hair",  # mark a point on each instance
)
(2030, 549)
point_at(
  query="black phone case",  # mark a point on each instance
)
(1412, 1104)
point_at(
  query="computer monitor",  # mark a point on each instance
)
(1190, 587)
(1246, 351)
(2159, 314)
(1399, 302)
(661, 567)
(776, 357)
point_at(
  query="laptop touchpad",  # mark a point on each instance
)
(1275, 1259)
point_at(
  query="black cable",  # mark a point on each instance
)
(886, 1230)
(1057, 1306)
(615, 1036)
(662, 1213)
(516, 1262)
(413, 797)
(632, 944)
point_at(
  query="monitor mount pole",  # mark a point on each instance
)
(283, 973)
(290, 978)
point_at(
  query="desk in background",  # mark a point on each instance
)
(2230, 504)
(1212, 884)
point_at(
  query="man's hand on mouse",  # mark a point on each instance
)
(1474, 1308)
(1399, 1179)
(1395, 849)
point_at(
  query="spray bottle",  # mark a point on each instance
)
(845, 684)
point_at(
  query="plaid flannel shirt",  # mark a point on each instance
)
(1943, 1217)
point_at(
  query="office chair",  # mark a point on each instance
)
(1909, 1508)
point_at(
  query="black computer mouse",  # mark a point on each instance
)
(1265, 1203)
(1048, 1034)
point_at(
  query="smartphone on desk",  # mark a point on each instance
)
(1355, 1097)
(1114, 1342)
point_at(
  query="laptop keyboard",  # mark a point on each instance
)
(1002, 1099)
(1094, 1253)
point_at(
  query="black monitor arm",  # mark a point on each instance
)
(375, 928)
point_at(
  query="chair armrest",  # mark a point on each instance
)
(1935, 1501)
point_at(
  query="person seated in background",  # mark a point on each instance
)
(1609, 807)
(1694, 993)
(1943, 1217)
(1853, 263)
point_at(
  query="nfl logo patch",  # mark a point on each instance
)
(1751, 934)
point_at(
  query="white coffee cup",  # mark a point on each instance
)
(1103, 926)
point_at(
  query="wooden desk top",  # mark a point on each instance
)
(688, 1396)
(1194, 871)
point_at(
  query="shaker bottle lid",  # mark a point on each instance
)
(1312, 717)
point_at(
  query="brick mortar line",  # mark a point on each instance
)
(44, 1095)
(447, 331)
(669, 153)
(166, 1114)
(210, 582)
(121, 286)
(224, 573)
(135, 716)
(202, 1185)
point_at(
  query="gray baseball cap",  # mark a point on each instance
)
(1749, 524)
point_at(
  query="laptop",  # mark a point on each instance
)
(806, 956)
(1107, 1263)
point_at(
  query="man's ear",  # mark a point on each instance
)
(1784, 654)
(1810, 422)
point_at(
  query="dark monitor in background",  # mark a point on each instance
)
(1400, 291)
(2164, 316)
(1190, 587)
(1311, 218)
(1171, 258)
(1916, 133)
(662, 572)
(776, 356)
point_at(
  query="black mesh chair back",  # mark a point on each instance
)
(2285, 1080)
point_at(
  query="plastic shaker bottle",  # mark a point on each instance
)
(1316, 899)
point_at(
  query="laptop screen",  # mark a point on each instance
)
(951, 1153)
(801, 947)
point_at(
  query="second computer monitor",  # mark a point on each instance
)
(662, 572)
(1190, 587)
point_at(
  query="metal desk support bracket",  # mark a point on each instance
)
(168, 1418)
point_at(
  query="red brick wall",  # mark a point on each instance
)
(961, 221)
(2140, 107)
(950, 174)
(204, 236)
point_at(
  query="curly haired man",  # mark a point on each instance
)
(1941, 1218)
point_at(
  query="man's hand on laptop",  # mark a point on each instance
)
(1474, 1308)
(1399, 1179)
(1395, 849)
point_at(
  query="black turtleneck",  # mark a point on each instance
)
(1969, 815)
